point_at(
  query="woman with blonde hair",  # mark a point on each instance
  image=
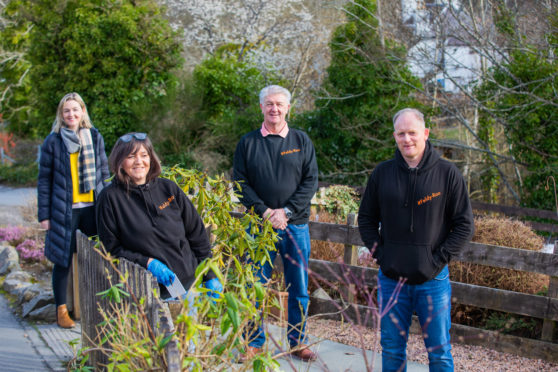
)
(72, 170)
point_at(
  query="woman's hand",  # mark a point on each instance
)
(163, 274)
(45, 224)
(215, 287)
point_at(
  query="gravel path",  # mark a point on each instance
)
(466, 357)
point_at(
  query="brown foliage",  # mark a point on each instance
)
(508, 233)
(321, 250)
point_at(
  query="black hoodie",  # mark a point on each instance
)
(153, 220)
(424, 212)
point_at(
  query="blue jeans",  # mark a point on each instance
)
(294, 248)
(432, 303)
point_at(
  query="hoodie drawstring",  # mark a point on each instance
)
(145, 191)
(411, 193)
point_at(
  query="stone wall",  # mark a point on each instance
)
(290, 36)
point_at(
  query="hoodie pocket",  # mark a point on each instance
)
(411, 261)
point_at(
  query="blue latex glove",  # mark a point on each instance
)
(214, 286)
(163, 274)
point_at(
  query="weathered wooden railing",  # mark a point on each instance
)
(94, 271)
(522, 212)
(93, 268)
(543, 307)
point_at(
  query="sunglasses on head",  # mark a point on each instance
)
(128, 137)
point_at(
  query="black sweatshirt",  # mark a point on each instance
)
(276, 172)
(425, 216)
(155, 220)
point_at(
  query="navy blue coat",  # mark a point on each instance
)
(55, 196)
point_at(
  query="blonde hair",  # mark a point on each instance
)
(59, 121)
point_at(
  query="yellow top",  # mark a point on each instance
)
(78, 197)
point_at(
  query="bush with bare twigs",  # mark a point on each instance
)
(508, 233)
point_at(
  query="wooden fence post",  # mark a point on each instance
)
(350, 257)
(72, 290)
(548, 325)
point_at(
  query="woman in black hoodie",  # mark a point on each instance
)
(149, 220)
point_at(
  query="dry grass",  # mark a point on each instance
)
(508, 233)
(321, 250)
(29, 211)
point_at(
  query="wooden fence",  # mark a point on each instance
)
(523, 212)
(94, 271)
(93, 267)
(543, 307)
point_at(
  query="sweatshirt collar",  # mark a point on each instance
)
(429, 158)
(282, 134)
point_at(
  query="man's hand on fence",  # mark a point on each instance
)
(215, 288)
(163, 274)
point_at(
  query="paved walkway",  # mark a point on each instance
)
(10, 196)
(21, 346)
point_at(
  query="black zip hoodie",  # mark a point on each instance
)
(424, 212)
(153, 220)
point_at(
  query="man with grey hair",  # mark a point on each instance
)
(421, 202)
(278, 175)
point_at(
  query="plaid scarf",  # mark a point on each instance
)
(86, 162)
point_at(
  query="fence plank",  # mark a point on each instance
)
(507, 301)
(483, 254)
(467, 294)
(515, 211)
(350, 258)
(509, 258)
(549, 325)
(75, 288)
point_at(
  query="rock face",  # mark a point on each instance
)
(16, 280)
(43, 299)
(37, 300)
(9, 259)
(46, 313)
(27, 293)
(289, 36)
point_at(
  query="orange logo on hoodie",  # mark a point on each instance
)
(428, 198)
(166, 204)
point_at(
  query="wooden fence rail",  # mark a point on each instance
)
(94, 273)
(543, 307)
(522, 212)
(94, 268)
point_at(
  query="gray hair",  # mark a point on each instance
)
(419, 115)
(274, 89)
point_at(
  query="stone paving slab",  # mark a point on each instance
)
(58, 339)
(17, 350)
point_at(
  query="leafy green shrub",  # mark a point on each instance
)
(506, 323)
(341, 200)
(519, 94)
(228, 86)
(366, 83)
(217, 327)
(117, 55)
(19, 174)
